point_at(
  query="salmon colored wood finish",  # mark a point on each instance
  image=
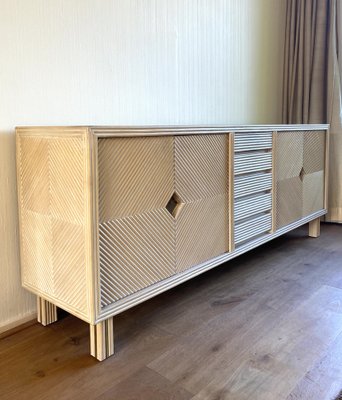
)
(112, 216)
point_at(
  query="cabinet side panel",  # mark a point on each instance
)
(52, 180)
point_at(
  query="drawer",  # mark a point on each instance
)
(252, 205)
(252, 162)
(252, 141)
(249, 184)
(253, 227)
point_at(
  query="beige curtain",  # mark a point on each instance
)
(312, 79)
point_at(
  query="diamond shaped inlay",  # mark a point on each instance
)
(174, 205)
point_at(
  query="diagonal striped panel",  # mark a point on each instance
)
(202, 231)
(135, 175)
(68, 255)
(289, 207)
(289, 154)
(314, 151)
(34, 174)
(52, 179)
(313, 197)
(67, 189)
(36, 251)
(135, 252)
(201, 164)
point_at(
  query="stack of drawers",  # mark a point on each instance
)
(252, 185)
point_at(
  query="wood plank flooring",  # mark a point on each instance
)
(265, 326)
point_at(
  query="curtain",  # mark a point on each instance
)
(312, 79)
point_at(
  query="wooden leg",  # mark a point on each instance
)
(102, 339)
(315, 227)
(47, 312)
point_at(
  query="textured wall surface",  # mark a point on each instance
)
(128, 62)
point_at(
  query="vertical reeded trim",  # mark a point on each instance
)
(102, 339)
(231, 192)
(274, 181)
(46, 311)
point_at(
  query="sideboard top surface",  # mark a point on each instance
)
(104, 131)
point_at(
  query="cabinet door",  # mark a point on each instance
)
(136, 231)
(201, 185)
(300, 163)
(163, 207)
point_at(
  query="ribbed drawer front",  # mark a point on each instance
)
(253, 227)
(253, 176)
(252, 162)
(253, 141)
(249, 184)
(252, 205)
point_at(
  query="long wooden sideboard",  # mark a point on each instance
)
(112, 216)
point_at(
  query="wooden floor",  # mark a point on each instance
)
(266, 326)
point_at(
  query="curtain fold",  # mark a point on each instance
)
(312, 79)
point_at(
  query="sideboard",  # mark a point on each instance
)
(112, 216)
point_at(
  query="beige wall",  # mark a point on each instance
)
(127, 62)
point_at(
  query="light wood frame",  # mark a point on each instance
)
(274, 181)
(101, 321)
(231, 192)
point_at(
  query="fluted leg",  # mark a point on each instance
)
(315, 227)
(102, 339)
(46, 311)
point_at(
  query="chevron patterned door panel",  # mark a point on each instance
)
(163, 208)
(135, 175)
(136, 232)
(201, 184)
(300, 167)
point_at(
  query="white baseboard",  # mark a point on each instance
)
(17, 323)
